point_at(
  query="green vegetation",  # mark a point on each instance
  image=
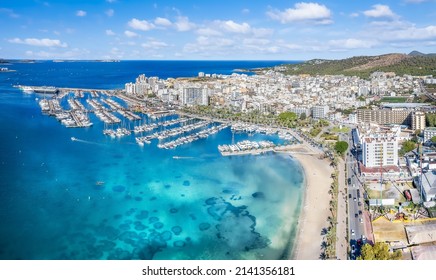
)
(347, 111)
(344, 129)
(407, 147)
(287, 119)
(341, 147)
(433, 139)
(315, 131)
(380, 251)
(430, 119)
(394, 99)
(329, 245)
(328, 136)
(322, 123)
(363, 66)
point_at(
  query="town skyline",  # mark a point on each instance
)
(169, 30)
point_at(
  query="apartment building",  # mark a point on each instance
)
(418, 120)
(384, 116)
(320, 111)
(380, 149)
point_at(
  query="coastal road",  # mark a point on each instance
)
(341, 230)
(355, 199)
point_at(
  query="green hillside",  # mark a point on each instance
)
(363, 66)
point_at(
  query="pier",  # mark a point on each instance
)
(252, 148)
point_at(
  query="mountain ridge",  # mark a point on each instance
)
(415, 63)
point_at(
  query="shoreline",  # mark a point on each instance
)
(315, 208)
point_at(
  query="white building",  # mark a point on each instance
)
(428, 185)
(352, 118)
(418, 120)
(130, 88)
(320, 111)
(300, 110)
(195, 96)
(380, 150)
(429, 132)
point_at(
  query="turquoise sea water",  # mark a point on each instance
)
(151, 206)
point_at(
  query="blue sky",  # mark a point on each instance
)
(223, 30)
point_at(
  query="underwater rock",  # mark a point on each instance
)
(153, 220)
(186, 183)
(173, 210)
(166, 235)
(142, 215)
(158, 225)
(140, 227)
(258, 195)
(204, 226)
(176, 230)
(179, 244)
(236, 226)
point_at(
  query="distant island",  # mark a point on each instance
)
(94, 60)
(5, 69)
(414, 63)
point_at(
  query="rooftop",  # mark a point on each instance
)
(404, 105)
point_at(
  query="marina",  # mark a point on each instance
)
(152, 122)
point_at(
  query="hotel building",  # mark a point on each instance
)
(380, 149)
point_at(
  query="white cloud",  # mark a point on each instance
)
(110, 12)
(234, 27)
(9, 13)
(219, 27)
(352, 43)
(256, 41)
(109, 32)
(208, 32)
(262, 32)
(39, 42)
(162, 21)
(154, 44)
(353, 15)
(245, 11)
(75, 53)
(142, 25)
(379, 11)
(183, 24)
(81, 13)
(303, 12)
(412, 33)
(130, 34)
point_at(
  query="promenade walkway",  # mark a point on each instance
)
(341, 230)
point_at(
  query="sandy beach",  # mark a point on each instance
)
(315, 210)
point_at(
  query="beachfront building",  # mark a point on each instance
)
(380, 150)
(300, 110)
(429, 132)
(130, 88)
(320, 111)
